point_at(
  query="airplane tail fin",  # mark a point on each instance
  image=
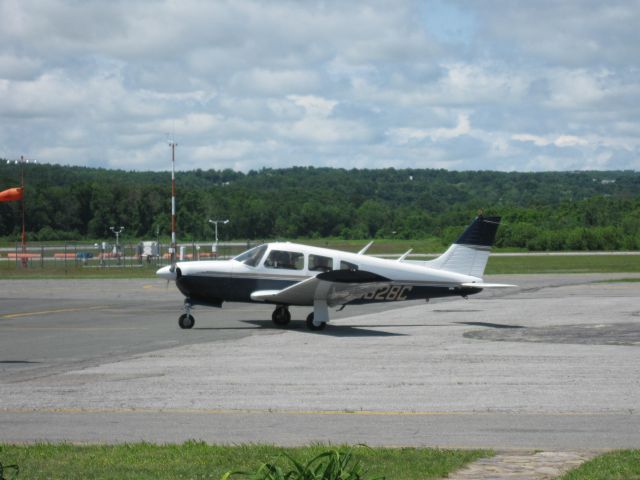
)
(469, 253)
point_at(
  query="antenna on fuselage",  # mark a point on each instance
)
(366, 247)
(405, 255)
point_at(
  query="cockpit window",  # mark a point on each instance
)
(252, 257)
(284, 259)
(348, 266)
(320, 263)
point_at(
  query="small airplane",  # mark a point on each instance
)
(286, 274)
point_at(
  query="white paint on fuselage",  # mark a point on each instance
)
(391, 269)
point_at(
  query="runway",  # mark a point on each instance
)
(553, 364)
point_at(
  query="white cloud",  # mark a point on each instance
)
(247, 83)
(49, 95)
(576, 88)
(224, 150)
(577, 33)
(569, 141)
(466, 83)
(321, 130)
(560, 141)
(535, 139)
(314, 106)
(270, 82)
(405, 135)
(192, 124)
(14, 67)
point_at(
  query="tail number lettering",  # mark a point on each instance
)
(389, 293)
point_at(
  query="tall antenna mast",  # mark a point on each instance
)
(173, 146)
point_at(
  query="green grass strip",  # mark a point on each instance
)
(618, 465)
(619, 280)
(197, 460)
(563, 264)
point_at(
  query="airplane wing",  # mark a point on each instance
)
(295, 294)
(344, 286)
(336, 287)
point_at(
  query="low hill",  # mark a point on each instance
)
(548, 210)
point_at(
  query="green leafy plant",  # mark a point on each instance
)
(14, 468)
(330, 465)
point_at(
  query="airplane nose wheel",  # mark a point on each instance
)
(281, 316)
(312, 326)
(186, 320)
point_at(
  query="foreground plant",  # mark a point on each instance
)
(13, 468)
(330, 465)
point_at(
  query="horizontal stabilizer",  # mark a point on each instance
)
(351, 276)
(488, 285)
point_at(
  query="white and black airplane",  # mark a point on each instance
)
(286, 274)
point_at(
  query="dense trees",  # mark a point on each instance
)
(541, 211)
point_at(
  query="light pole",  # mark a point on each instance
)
(117, 231)
(173, 146)
(215, 223)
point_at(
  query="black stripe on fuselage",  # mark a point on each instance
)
(398, 292)
(213, 290)
(209, 289)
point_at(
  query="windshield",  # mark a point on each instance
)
(252, 257)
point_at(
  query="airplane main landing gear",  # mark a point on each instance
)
(281, 316)
(313, 326)
(186, 320)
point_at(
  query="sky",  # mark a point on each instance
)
(461, 84)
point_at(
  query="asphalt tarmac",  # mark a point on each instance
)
(553, 364)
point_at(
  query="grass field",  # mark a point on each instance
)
(618, 465)
(195, 460)
(563, 264)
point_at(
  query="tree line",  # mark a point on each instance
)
(541, 211)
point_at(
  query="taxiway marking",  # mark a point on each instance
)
(48, 312)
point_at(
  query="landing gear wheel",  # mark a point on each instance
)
(312, 326)
(186, 320)
(281, 316)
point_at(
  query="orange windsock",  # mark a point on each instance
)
(11, 195)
